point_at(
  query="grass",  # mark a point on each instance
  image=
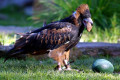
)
(111, 35)
(16, 16)
(7, 39)
(32, 69)
(101, 10)
(105, 16)
(104, 13)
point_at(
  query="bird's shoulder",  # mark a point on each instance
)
(51, 36)
(56, 26)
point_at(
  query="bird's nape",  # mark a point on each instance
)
(56, 38)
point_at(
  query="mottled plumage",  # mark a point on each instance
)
(56, 38)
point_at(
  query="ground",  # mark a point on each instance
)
(15, 29)
(44, 70)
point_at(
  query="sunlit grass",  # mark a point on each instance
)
(34, 70)
(101, 10)
(98, 35)
(7, 39)
(111, 35)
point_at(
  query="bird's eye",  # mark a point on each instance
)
(84, 21)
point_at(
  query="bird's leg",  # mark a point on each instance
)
(67, 65)
(59, 66)
(60, 63)
(66, 60)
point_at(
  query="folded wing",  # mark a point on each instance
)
(47, 38)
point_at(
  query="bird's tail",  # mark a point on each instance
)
(12, 53)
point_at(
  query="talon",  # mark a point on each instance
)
(59, 69)
(69, 69)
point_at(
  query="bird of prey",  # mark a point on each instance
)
(56, 38)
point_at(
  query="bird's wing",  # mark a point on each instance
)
(49, 37)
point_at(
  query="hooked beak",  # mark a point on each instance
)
(88, 23)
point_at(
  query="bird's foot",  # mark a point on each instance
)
(68, 69)
(59, 69)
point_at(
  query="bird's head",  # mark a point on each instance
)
(83, 13)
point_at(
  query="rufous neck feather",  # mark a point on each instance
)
(80, 10)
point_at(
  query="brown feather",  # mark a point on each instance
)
(56, 38)
(58, 54)
(82, 8)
